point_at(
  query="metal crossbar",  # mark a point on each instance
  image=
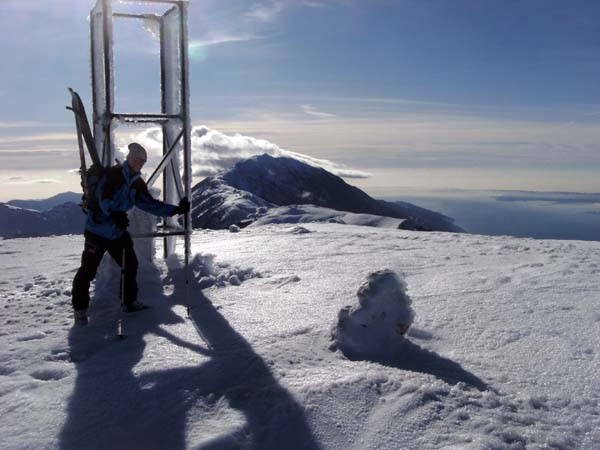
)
(145, 118)
(164, 161)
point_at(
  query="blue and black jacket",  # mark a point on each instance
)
(119, 191)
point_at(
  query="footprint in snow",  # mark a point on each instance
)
(59, 356)
(4, 371)
(420, 334)
(284, 280)
(31, 337)
(49, 374)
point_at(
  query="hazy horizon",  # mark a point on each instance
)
(533, 214)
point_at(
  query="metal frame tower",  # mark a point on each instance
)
(174, 117)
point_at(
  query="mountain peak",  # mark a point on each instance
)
(284, 181)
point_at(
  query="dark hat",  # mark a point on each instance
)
(137, 151)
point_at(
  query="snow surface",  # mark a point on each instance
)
(503, 353)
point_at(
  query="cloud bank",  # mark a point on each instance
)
(213, 152)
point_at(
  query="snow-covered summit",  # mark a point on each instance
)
(503, 352)
(246, 191)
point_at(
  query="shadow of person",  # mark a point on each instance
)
(109, 406)
(411, 357)
(117, 405)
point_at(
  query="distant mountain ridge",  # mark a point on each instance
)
(253, 186)
(262, 189)
(48, 203)
(66, 218)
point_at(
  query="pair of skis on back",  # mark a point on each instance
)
(84, 139)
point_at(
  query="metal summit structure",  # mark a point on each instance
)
(173, 118)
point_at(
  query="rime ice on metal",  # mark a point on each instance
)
(171, 23)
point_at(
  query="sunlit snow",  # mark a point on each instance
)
(503, 352)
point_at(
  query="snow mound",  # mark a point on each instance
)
(299, 230)
(375, 328)
(209, 273)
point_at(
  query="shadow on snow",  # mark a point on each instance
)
(112, 406)
(414, 358)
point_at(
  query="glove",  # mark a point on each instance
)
(120, 219)
(183, 207)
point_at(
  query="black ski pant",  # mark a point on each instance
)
(95, 248)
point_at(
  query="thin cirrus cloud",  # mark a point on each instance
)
(213, 152)
(44, 137)
(315, 4)
(312, 111)
(221, 39)
(23, 124)
(265, 12)
(26, 180)
(197, 47)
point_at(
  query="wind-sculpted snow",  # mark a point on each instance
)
(502, 353)
(207, 272)
(375, 328)
(254, 187)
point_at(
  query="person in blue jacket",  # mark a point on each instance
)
(117, 192)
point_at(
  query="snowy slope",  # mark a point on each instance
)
(309, 213)
(503, 353)
(265, 181)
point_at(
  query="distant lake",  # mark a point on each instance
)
(541, 215)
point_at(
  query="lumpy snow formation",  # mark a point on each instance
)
(377, 325)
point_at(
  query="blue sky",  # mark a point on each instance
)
(439, 94)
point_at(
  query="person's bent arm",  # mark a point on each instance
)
(146, 202)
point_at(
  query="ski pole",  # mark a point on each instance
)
(120, 334)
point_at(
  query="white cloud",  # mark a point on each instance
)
(213, 151)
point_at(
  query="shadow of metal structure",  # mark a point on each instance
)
(116, 405)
